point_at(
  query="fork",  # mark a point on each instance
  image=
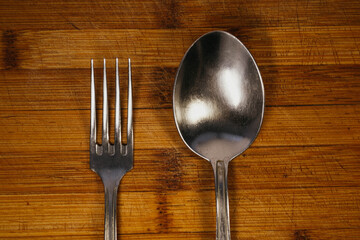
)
(111, 161)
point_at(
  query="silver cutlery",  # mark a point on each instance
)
(111, 161)
(218, 104)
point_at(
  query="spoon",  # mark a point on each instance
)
(218, 104)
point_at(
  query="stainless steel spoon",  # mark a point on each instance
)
(218, 104)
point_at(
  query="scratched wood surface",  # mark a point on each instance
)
(299, 180)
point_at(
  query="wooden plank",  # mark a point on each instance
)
(64, 89)
(74, 214)
(79, 15)
(159, 170)
(183, 212)
(282, 46)
(298, 234)
(68, 130)
(260, 209)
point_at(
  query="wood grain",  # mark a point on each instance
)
(153, 47)
(155, 128)
(299, 180)
(159, 170)
(145, 14)
(285, 86)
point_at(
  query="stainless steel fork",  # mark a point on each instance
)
(111, 162)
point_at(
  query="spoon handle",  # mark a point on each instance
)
(222, 201)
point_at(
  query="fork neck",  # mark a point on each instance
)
(111, 190)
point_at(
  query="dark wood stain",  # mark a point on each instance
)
(170, 17)
(301, 234)
(163, 220)
(10, 51)
(171, 178)
(164, 78)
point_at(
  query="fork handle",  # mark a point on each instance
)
(222, 201)
(110, 232)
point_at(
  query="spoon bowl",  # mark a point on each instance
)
(218, 104)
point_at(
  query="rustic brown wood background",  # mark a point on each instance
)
(299, 180)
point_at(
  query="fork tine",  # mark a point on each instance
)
(130, 111)
(117, 107)
(93, 111)
(105, 132)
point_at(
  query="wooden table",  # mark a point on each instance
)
(299, 180)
